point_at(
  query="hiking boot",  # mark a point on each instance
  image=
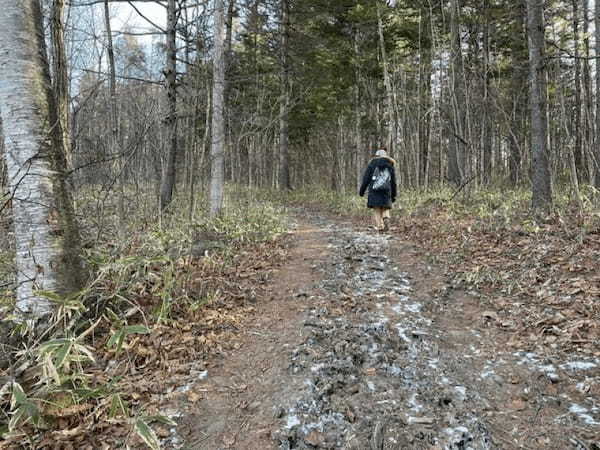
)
(386, 224)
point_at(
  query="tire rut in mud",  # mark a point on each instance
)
(373, 375)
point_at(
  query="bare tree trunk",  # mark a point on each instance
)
(425, 100)
(487, 103)
(519, 95)
(46, 232)
(390, 119)
(168, 180)
(113, 140)
(112, 80)
(455, 169)
(597, 141)
(284, 163)
(541, 184)
(357, 116)
(61, 76)
(229, 29)
(587, 89)
(335, 166)
(218, 124)
(578, 149)
(228, 145)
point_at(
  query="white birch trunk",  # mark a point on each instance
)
(47, 240)
(217, 176)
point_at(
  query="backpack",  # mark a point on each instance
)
(381, 180)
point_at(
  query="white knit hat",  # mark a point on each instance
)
(381, 153)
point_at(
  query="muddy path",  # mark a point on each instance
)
(362, 345)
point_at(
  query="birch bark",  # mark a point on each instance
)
(46, 233)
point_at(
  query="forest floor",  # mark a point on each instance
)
(359, 341)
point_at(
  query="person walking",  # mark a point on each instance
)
(380, 179)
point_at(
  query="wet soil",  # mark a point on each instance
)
(362, 345)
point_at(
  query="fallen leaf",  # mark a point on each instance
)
(229, 440)
(315, 438)
(518, 405)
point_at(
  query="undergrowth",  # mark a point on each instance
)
(150, 279)
(490, 207)
(535, 270)
(164, 292)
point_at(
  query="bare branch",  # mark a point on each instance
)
(145, 18)
(96, 2)
(122, 77)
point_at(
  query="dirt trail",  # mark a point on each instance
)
(363, 346)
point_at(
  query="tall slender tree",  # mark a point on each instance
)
(46, 233)
(487, 102)
(112, 78)
(577, 132)
(284, 113)
(519, 92)
(60, 73)
(597, 141)
(169, 172)
(588, 132)
(217, 149)
(425, 100)
(455, 151)
(541, 184)
(390, 117)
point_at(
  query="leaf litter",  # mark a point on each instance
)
(374, 361)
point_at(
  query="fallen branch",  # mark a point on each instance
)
(463, 185)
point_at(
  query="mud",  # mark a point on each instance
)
(374, 375)
(363, 346)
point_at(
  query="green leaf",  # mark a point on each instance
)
(16, 418)
(84, 352)
(117, 406)
(161, 419)
(51, 346)
(18, 395)
(114, 339)
(63, 353)
(52, 369)
(137, 329)
(147, 434)
(25, 409)
(52, 296)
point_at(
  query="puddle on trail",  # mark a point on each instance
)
(373, 372)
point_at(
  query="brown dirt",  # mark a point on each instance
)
(510, 398)
(237, 407)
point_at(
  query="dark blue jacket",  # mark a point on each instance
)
(379, 199)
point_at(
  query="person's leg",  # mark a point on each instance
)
(386, 219)
(378, 218)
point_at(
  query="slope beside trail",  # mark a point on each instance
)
(361, 345)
